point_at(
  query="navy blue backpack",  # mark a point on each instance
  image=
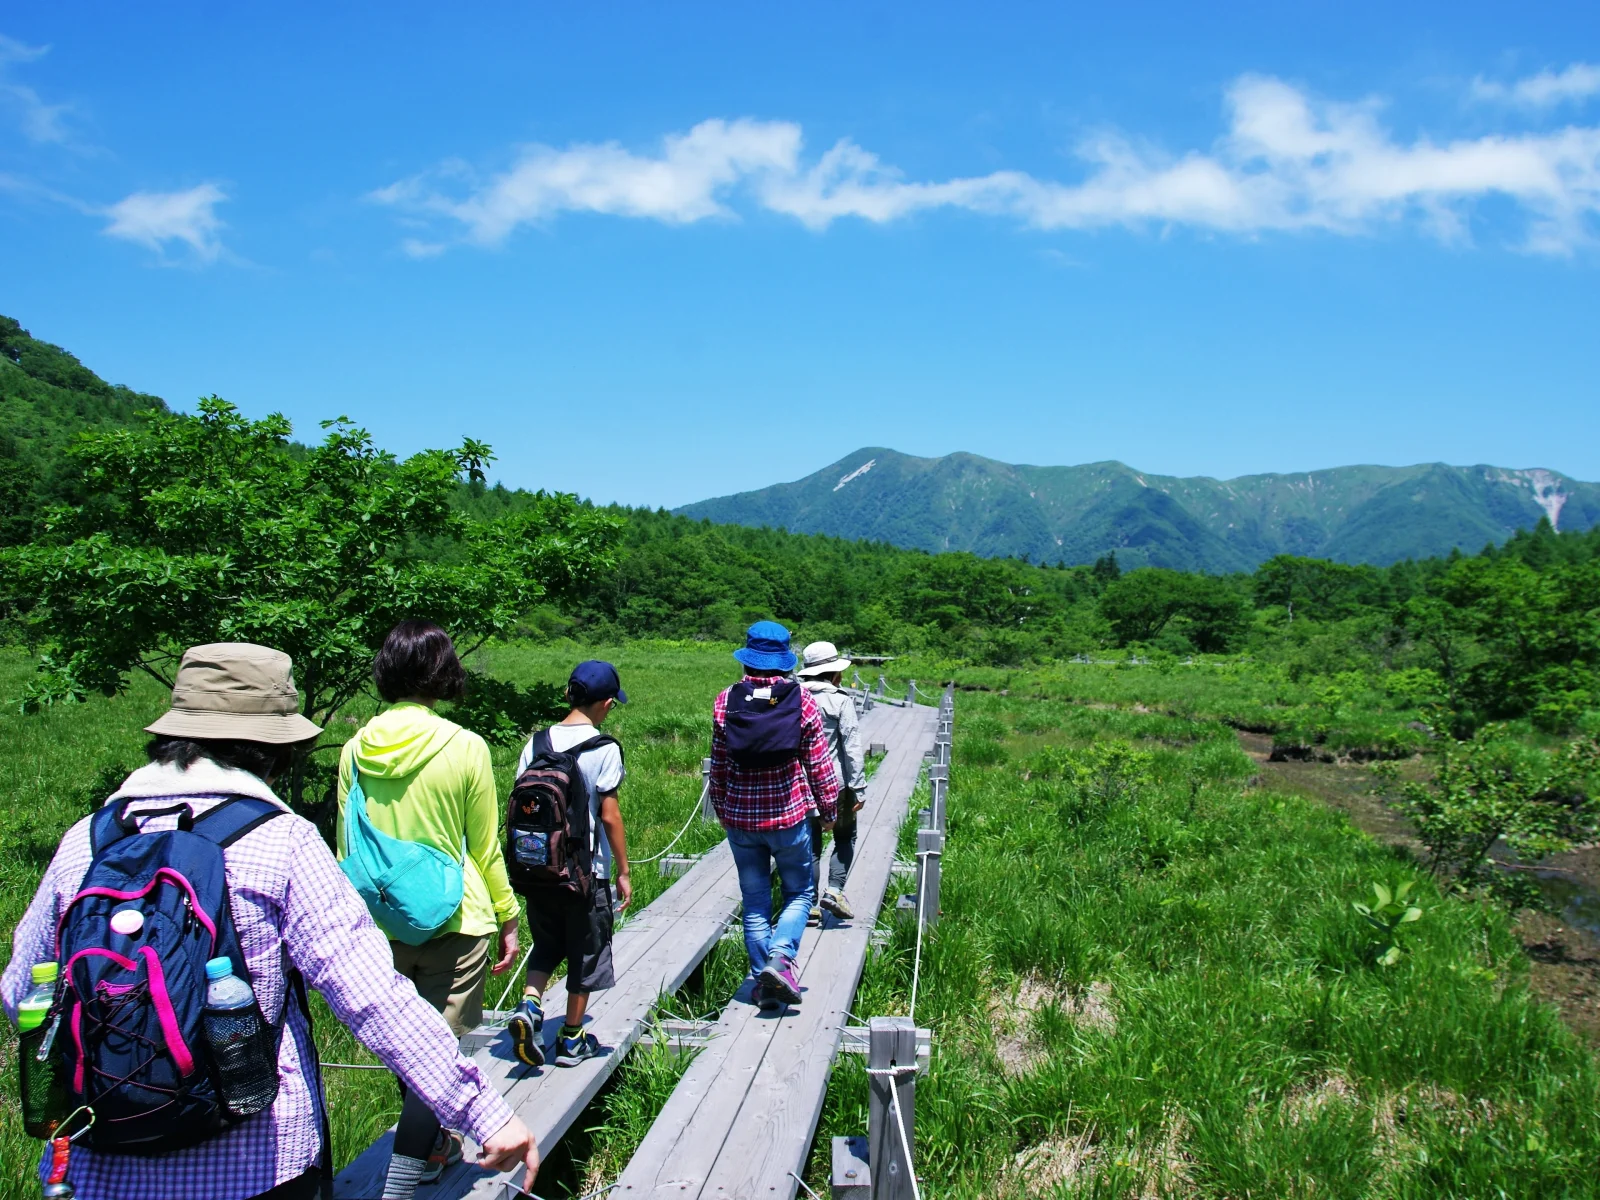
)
(133, 945)
(763, 722)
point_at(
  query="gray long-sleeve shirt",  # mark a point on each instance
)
(843, 730)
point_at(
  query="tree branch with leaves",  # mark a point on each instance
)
(214, 527)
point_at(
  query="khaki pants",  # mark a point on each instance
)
(449, 972)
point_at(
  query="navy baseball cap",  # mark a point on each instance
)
(595, 680)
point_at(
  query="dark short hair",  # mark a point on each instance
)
(418, 659)
(261, 759)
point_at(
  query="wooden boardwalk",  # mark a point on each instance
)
(654, 954)
(743, 1116)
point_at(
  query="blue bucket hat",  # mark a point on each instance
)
(766, 648)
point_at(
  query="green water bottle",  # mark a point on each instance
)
(43, 1091)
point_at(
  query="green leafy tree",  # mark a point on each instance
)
(1319, 589)
(1496, 788)
(213, 528)
(1141, 604)
(1510, 641)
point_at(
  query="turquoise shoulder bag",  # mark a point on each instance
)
(410, 889)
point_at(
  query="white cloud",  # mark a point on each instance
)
(1544, 90)
(155, 219)
(39, 121)
(679, 186)
(1286, 161)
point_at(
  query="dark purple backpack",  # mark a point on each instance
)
(132, 991)
(763, 722)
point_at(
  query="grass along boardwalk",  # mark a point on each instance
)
(742, 1118)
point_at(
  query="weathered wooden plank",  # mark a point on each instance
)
(748, 1105)
(653, 953)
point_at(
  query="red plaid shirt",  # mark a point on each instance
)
(773, 797)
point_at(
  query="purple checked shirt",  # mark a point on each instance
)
(287, 891)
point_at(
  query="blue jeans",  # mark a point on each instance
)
(754, 854)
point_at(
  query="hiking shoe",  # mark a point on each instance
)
(815, 919)
(764, 998)
(527, 1033)
(446, 1153)
(570, 1051)
(779, 978)
(833, 900)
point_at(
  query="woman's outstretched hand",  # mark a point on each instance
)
(511, 1145)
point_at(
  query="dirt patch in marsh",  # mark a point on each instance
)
(1565, 959)
(1016, 1040)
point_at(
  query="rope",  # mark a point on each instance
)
(512, 1188)
(803, 1184)
(900, 1120)
(512, 982)
(698, 804)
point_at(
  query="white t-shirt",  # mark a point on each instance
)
(602, 774)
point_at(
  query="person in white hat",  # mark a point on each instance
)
(822, 671)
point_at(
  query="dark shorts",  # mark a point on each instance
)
(566, 929)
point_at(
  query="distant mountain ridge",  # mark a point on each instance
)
(961, 501)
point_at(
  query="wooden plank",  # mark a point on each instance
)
(747, 1107)
(654, 953)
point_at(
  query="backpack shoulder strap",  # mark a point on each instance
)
(236, 816)
(594, 743)
(112, 822)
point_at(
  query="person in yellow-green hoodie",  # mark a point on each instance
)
(430, 781)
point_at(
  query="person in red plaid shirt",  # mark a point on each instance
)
(771, 768)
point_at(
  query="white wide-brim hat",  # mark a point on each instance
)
(821, 658)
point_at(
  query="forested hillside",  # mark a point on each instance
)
(46, 398)
(1511, 632)
(1074, 515)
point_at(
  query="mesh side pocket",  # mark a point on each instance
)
(243, 1049)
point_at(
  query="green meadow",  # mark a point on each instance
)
(1148, 979)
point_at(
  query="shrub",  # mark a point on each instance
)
(1493, 788)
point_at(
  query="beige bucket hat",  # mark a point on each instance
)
(235, 690)
(821, 658)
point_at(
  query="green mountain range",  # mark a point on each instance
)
(1367, 514)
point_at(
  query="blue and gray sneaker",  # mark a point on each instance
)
(578, 1048)
(527, 1032)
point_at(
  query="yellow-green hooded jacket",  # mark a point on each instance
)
(430, 781)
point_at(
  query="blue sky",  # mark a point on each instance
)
(654, 253)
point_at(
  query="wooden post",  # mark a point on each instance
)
(891, 1044)
(707, 812)
(930, 844)
(911, 691)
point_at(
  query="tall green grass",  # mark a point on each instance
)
(1162, 989)
(1145, 983)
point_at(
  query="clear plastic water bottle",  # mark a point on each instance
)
(241, 1043)
(39, 1083)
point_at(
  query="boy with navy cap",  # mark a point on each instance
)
(564, 929)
